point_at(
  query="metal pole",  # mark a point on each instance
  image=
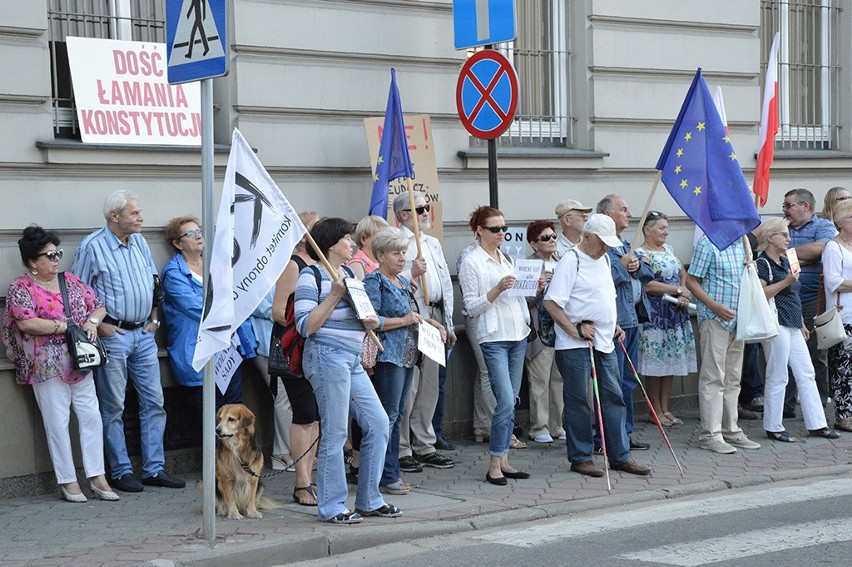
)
(208, 434)
(492, 167)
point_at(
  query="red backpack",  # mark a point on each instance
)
(291, 341)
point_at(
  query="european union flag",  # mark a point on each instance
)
(393, 160)
(700, 170)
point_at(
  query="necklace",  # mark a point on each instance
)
(42, 282)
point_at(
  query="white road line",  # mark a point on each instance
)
(746, 544)
(667, 512)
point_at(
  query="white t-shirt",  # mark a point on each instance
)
(584, 294)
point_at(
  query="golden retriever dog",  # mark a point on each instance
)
(238, 492)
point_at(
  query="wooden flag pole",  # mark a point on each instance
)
(644, 216)
(333, 272)
(414, 216)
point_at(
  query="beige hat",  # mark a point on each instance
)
(571, 205)
(604, 227)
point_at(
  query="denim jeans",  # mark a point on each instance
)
(505, 362)
(392, 384)
(133, 356)
(628, 380)
(341, 387)
(576, 368)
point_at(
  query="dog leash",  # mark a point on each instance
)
(250, 472)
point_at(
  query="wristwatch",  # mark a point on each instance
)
(94, 321)
(679, 290)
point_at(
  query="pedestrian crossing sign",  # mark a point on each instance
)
(196, 39)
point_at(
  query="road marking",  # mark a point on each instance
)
(666, 512)
(756, 542)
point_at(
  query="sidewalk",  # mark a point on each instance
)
(163, 527)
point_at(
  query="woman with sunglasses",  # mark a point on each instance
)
(502, 326)
(34, 335)
(546, 400)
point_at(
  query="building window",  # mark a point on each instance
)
(808, 70)
(541, 59)
(130, 20)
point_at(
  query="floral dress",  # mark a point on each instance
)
(38, 358)
(666, 344)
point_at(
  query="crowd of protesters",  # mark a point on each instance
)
(615, 308)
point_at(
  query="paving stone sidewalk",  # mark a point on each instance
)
(162, 527)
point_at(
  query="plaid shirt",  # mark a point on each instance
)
(720, 272)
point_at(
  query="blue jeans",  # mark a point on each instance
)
(628, 380)
(132, 355)
(341, 387)
(575, 365)
(505, 362)
(393, 384)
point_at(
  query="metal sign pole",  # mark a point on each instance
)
(208, 433)
(492, 165)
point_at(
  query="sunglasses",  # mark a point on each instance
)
(421, 210)
(547, 238)
(53, 255)
(192, 233)
(654, 214)
(496, 229)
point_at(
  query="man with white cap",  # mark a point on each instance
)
(581, 300)
(571, 215)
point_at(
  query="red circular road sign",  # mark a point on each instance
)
(487, 94)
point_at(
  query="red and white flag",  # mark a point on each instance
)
(720, 106)
(768, 126)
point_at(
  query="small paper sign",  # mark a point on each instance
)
(527, 273)
(359, 299)
(227, 362)
(795, 266)
(430, 344)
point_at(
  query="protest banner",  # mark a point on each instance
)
(430, 344)
(527, 274)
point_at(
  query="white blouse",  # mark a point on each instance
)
(837, 267)
(507, 319)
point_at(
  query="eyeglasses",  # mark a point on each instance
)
(420, 210)
(496, 229)
(786, 206)
(546, 237)
(783, 234)
(192, 233)
(842, 198)
(53, 255)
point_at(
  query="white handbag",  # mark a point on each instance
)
(828, 325)
(756, 321)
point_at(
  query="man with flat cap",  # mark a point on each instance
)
(571, 215)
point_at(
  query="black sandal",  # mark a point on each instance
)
(780, 436)
(824, 432)
(309, 490)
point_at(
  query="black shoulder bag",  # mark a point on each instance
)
(85, 353)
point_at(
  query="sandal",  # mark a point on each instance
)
(671, 417)
(781, 436)
(307, 489)
(664, 421)
(516, 443)
(824, 432)
(398, 488)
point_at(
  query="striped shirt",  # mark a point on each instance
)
(341, 325)
(121, 275)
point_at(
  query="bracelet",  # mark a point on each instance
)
(580, 330)
(56, 326)
(156, 322)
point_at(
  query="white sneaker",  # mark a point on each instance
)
(563, 437)
(543, 438)
(716, 446)
(742, 442)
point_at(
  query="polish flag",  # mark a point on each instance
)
(720, 106)
(768, 126)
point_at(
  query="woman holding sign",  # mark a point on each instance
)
(502, 325)
(393, 299)
(332, 364)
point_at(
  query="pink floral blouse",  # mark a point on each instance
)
(38, 358)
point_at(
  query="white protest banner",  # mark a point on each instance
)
(256, 231)
(515, 243)
(123, 95)
(227, 362)
(359, 299)
(430, 344)
(527, 273)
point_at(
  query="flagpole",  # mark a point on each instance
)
(333, 272)
(414, 216)
(635, 242)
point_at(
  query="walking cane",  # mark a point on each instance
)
(651, 407)
(600, 415)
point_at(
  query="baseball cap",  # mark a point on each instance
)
(604, 227)
(571, 205)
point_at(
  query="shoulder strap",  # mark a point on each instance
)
(64, 290)
(574, 250)
(318, 277)
(299, 262)
(769, 266)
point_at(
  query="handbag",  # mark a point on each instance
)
(278, 364)
(369, 352)
(828, 325)
(85, 353)
(755, 320)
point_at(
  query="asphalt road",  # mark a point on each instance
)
(800, 523)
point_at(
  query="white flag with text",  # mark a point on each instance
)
(256, 232)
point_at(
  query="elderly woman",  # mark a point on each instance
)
(546, 401)
(788, 346)
(364, 260)
(393, 299)
(837, 275)
(332, 364)
(502, 326)
(182, 307)
(666, 344)
(833, 197)
(34, 335)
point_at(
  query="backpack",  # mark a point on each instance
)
(287, 345)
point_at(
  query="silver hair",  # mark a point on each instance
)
(389, 239)
(767, 229)
(117, 200)
(606, 204)
(401, 201)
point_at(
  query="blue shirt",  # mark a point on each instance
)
(389, 301)
(121, 275)
(623, 281)
(815, 230)
(261, 323)
(787, 301)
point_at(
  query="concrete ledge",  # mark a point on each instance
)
(744, 481)
(697, 488)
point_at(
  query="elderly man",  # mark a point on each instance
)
(117, 263)
(571, 215)
(808, 235)
(417, 440)
(714, 279)
(582, 301)
(629, 275)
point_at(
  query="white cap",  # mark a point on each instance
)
(603, 227)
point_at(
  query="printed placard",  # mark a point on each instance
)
(227, 362)
(359, 299)
(430, 344)
(795, 266)
(527, 273)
